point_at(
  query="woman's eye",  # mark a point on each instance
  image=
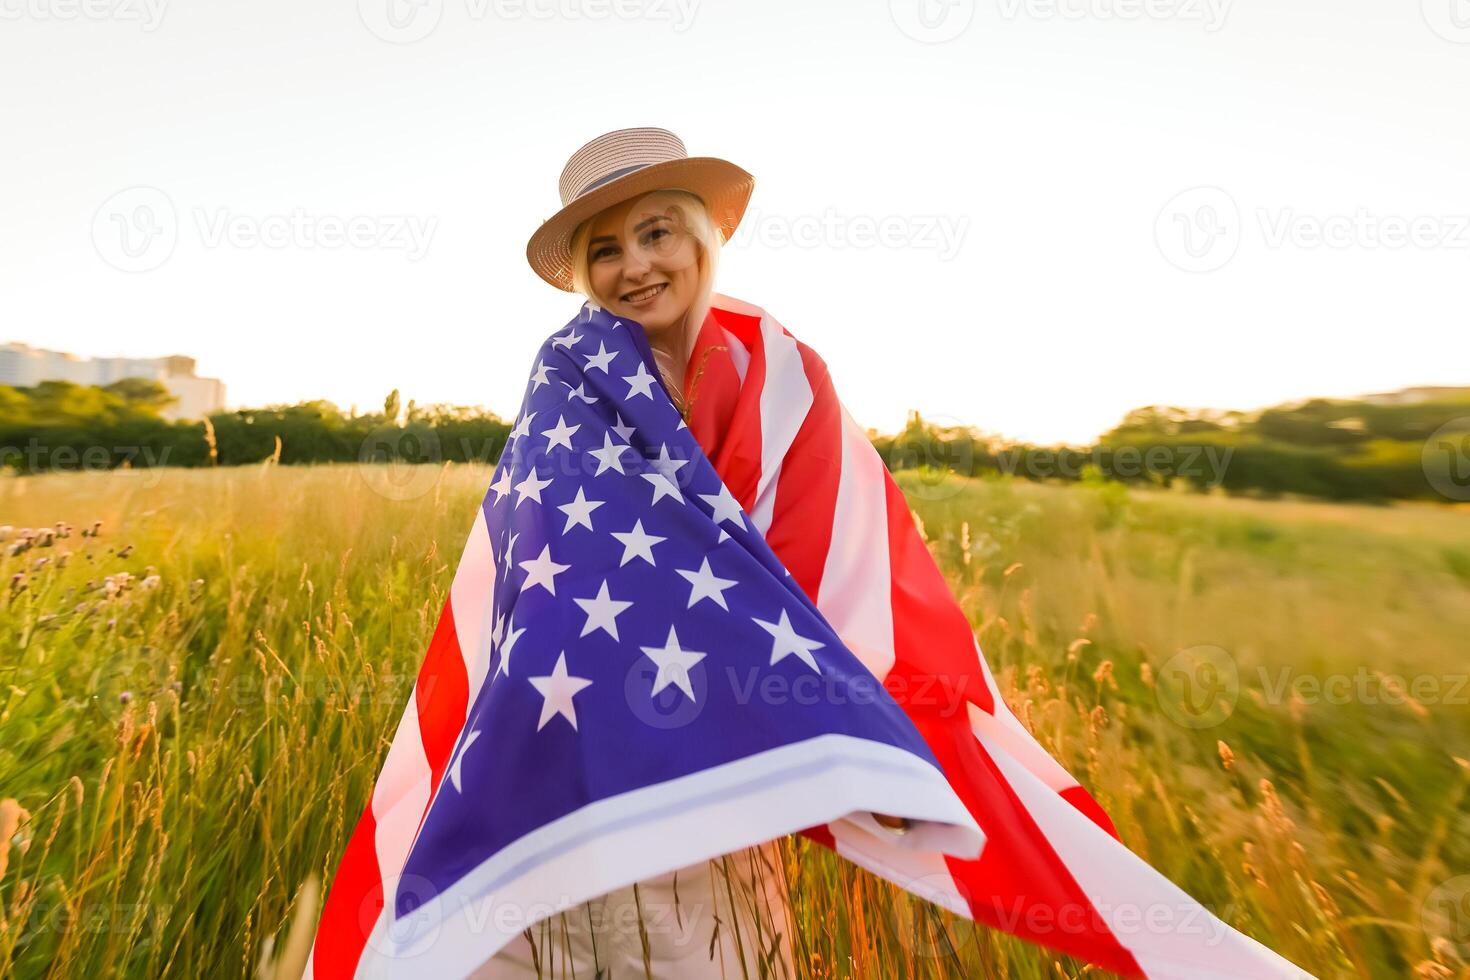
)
(602, 252)
(660, 237)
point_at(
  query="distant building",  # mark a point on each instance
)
(25, 366)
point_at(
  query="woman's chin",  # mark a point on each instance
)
(657, 317)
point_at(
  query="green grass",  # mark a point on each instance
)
(189, 753)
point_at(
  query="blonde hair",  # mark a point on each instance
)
(691, 212)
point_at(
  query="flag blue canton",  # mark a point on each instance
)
(643, 630)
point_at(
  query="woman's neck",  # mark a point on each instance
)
(672, 347)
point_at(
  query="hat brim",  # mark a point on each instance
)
(724, 188)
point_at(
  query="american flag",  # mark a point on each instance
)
(666, 641)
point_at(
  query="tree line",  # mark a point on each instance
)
(1416, 446)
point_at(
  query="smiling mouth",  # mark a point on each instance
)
(644, 294)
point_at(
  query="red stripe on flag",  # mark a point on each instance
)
(442, 692)
(1090, 808)
(353, 905)
(1019, 883)
(936, 667)
(736, 436)
(806, 492)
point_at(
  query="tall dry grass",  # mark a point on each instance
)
(195, 699)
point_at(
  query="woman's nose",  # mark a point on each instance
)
(635, 264)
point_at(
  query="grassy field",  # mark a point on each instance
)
(1268, 698)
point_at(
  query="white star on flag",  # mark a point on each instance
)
(726, 507)
(523, 427)
(638, 543)
(454, 770)
(501, 487)
(624, 431)
(786, 642)
(602, 612)
(640, 383)
(673, 665)
(580, 392)
(601, 359)
(566, 339)
(560, 434)
(662, 487)
(531, 487)
(542, 571)
(668, 465)
(510, 641)
(579, 511)
(610, 456)
(540, 378)
(557, 689)
(705, 584)
(498, 631)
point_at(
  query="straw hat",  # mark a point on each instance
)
(624, 164)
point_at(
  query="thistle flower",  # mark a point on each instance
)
(149, 582)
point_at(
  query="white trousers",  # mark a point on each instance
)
(730, 921)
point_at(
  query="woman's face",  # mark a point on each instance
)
(643, 261)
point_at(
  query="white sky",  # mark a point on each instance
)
(1049, 137)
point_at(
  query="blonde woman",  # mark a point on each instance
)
(651, 257)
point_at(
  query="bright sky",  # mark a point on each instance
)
(982, 209)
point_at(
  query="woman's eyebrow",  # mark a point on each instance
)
(648, 221)
(601, 238)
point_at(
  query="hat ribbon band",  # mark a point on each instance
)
(625, 171)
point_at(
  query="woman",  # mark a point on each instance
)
(645, 249)
(512, 791)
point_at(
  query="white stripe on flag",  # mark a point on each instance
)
(855, 595)
(738, 353)
(470, 599)
(786, 397)
(401, 795)
(1171, 935)
(1005, 729)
